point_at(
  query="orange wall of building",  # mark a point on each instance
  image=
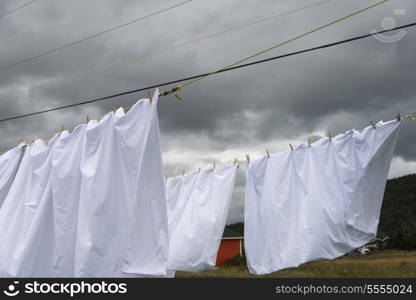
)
(228, 249)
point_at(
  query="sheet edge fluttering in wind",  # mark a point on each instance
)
(319, 202)
(9, 164)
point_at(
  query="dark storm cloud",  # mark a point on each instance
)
(244, 111)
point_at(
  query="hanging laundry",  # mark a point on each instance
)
(197, 211)
(26, 218)
(90, 203)
(317, 202)
(9, 163)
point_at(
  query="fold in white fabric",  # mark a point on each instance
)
(317, 202)
(90, 203)
(197, 211)
(9, 163)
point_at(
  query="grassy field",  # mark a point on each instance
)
(380, 264)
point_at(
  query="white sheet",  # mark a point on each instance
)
(90, 203)
(319, 202)
(197, 211)
(9, 163)
(26, 216)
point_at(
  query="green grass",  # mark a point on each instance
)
(379, 264)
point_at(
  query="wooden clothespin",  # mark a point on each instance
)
(183, 172)
(411, 116)
(398, 117)
(291, 147)
(235, 162)
(372, 124)
(166, 177)
(214, 165)
(150, 95)
(87, 119)
(330, 136)
(62, 129)
(33, 140)
(199, 170)
(248, 158)
(19, 141)
(268, 153)
(177, 90)
(113, 109)
(309, 142)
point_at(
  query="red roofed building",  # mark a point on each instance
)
(231, 246)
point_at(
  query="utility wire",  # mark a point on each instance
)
(54, 50)
(202, 75)
(177, 89)
(122, 61)
(17, 8)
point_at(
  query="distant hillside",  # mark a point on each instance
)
(398, 214)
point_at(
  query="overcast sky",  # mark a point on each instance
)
(227, 115)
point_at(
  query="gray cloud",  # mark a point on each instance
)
(245, 111)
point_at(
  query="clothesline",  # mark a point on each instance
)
(411, 116)
(237, 162)
(178, 88)
(200, 75)
(207, 74)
